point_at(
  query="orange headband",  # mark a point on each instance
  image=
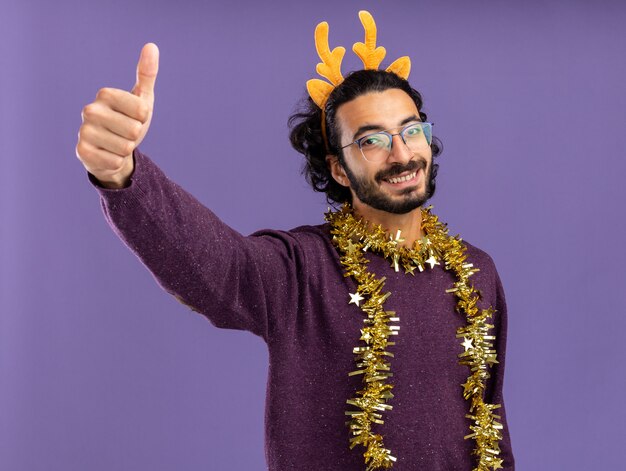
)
(330, 67)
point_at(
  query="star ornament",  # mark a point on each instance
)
(432, 261)
(355, 298)
(467, 343)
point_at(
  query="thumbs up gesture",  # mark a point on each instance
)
(116, 123)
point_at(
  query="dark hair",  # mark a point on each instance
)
(306, 131)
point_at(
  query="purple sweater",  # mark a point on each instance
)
(289, 288)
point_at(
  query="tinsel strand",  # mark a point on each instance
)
(353, 238)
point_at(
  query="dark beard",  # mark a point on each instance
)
(369, 194)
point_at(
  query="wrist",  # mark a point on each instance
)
(120, 179)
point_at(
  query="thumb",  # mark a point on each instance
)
(147, 69)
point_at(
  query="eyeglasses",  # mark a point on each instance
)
(376, 147)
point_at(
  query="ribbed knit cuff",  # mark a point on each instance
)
(143, 169)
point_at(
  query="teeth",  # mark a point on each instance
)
(403, 179)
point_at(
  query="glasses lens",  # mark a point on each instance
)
(418, 136)
(375, 147)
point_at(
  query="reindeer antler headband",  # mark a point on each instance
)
(330, 67)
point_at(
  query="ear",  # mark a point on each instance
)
(337, 170)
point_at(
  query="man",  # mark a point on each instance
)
(349, 336)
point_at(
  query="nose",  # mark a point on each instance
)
(400, 152)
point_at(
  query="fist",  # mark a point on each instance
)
(116, 123)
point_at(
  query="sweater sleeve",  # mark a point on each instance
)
(494, 393)
(237, 282)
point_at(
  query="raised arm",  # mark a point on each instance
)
(237, 282)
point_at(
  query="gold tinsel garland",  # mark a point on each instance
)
(353, 237)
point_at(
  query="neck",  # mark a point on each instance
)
(409, 223)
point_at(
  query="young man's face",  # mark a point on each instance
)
(401, 182)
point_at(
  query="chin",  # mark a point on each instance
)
(396, 205)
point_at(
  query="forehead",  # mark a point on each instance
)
(386, 109)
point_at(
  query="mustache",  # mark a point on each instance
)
(397, 169)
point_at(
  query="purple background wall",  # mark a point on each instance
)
(101, 370)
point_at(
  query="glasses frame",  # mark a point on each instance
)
(386, 132)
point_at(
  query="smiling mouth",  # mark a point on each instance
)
(402, 179)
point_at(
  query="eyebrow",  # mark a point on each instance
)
(378, 127)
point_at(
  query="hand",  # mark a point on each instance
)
(116, 123)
